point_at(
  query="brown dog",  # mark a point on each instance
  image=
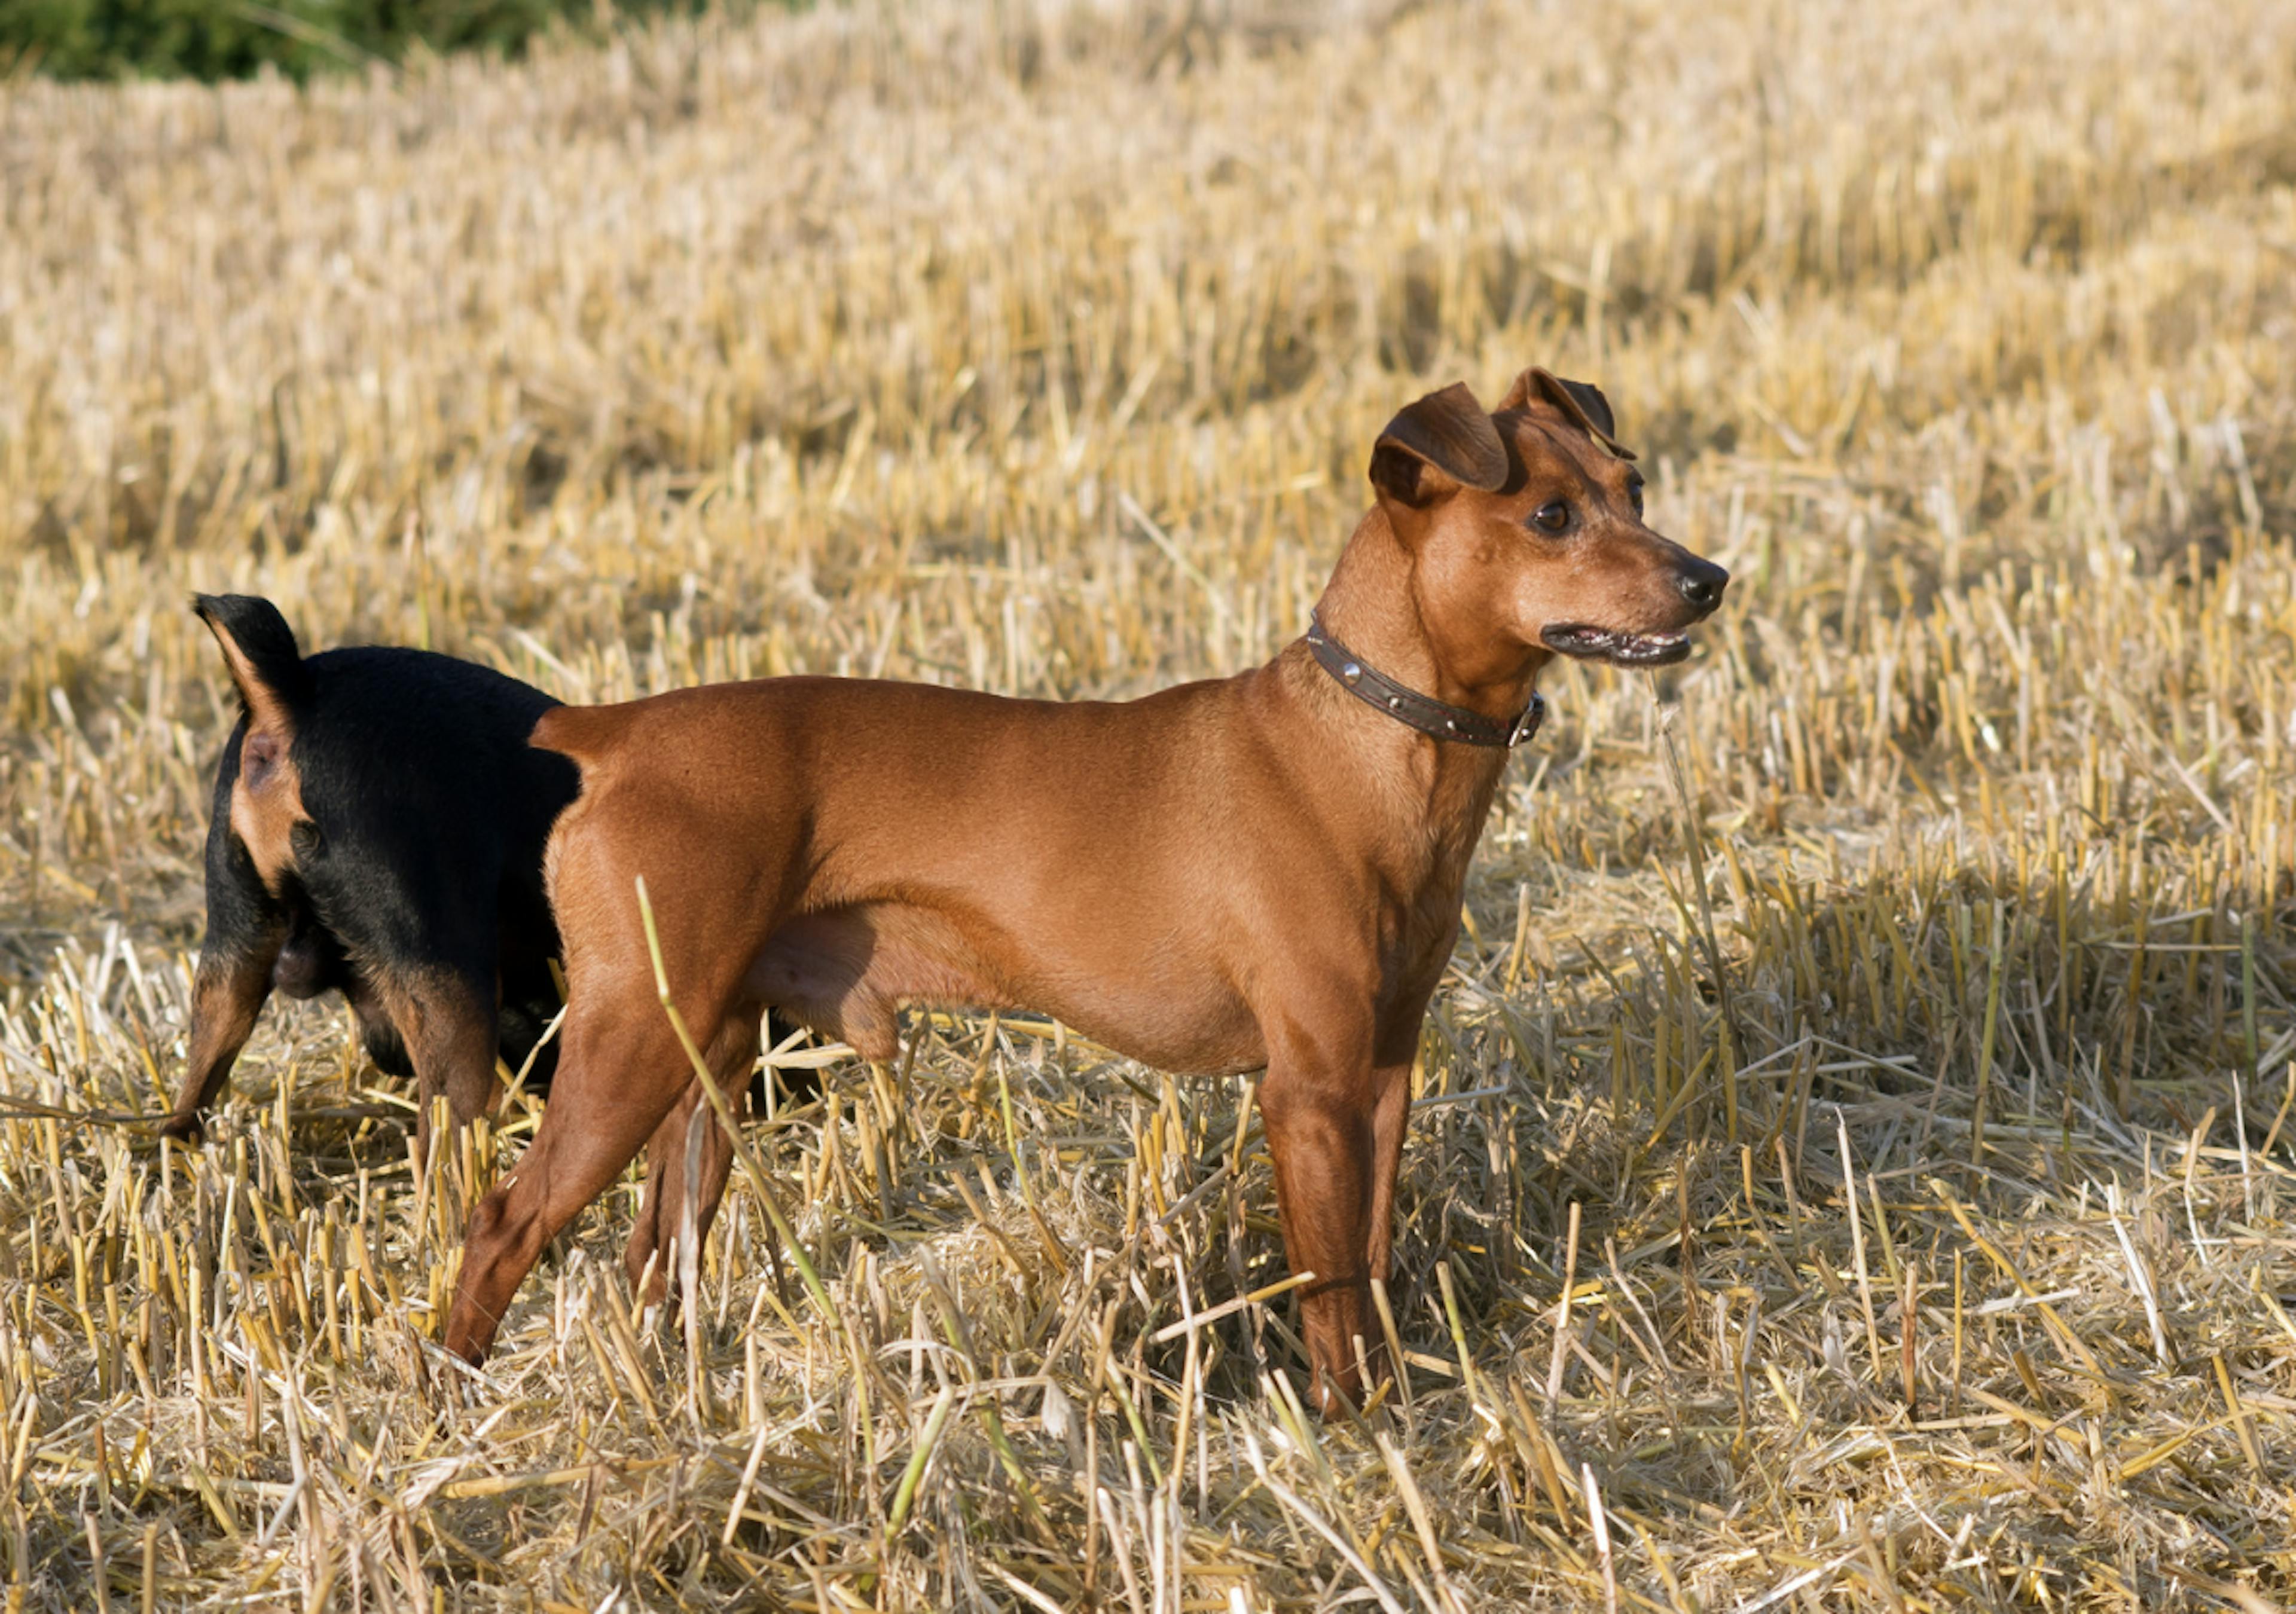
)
(1258, 872)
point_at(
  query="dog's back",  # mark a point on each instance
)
(416, 767)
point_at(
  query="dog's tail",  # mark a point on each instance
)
(267, 666)
(580, 732)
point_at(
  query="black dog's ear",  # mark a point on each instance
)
(1443, 442)
(1582, 403)
(259, 647)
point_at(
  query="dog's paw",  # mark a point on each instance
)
(189, 1130)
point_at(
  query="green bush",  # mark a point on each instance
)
(231, 38)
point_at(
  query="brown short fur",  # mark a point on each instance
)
(1257, 872)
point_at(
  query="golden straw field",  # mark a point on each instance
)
(1856, 1166)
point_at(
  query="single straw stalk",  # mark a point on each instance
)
(720, 1108)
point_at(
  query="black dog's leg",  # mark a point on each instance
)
(447, 1020)
(425, 942)
(797, 1087)
(246, 928)
(229, 991)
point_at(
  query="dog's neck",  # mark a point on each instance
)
(1429, 798)
(1433, 794)
(1375, 606)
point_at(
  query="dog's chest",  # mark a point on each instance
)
(1426, 879)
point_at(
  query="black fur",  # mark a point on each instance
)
(263, 637)
(428, 812)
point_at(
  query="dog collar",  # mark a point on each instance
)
(1439, 719)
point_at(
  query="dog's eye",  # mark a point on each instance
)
(1552, 516)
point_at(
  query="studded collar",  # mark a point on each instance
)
(1437, 718)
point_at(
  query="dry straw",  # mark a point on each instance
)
(1855, 1132)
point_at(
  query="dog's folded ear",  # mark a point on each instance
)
(1445, 441)
(1581, 402)
(260, 649)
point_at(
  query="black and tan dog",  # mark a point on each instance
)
(378, 829)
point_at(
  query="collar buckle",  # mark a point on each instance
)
(1527, 725)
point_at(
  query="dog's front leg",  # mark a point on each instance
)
(446, 1019)
(1321, 1103)
(1399, 1049)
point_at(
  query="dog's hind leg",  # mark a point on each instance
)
(229, 991)
(247, 926)
(619, 1075)
(645, 1259)
(731, 1059)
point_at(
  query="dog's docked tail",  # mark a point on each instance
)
(267, 665)
(580, 732)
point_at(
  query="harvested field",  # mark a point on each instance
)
(1854, 1137)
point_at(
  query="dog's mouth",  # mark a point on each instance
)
(1618, 648)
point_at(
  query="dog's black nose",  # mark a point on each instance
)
(1701, 583)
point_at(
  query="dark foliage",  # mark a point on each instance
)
(119, 39)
